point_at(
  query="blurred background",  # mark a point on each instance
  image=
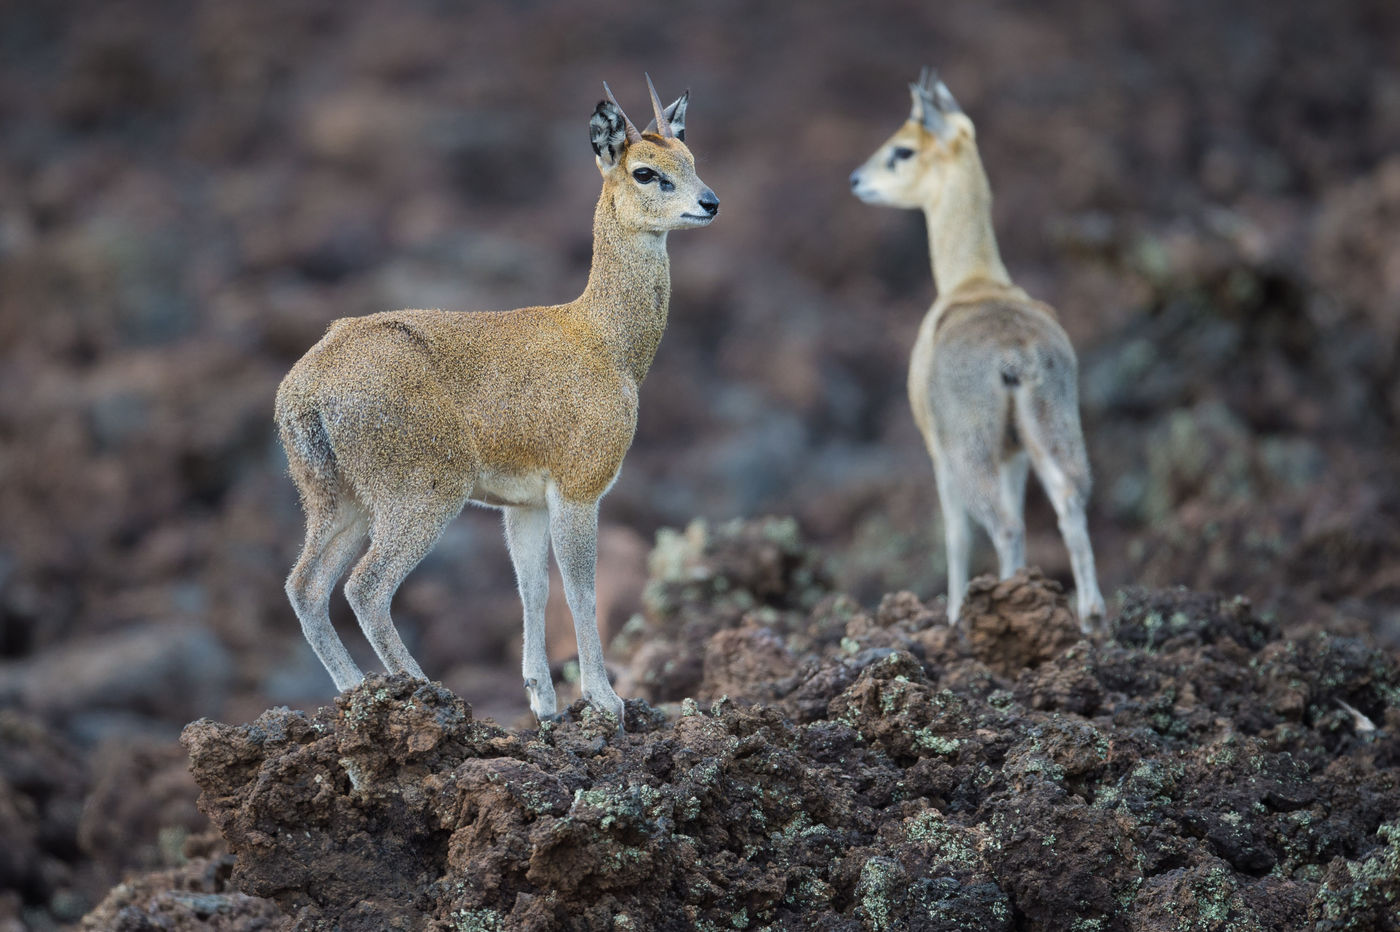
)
(191, 191)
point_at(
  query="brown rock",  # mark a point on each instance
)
(1019, 622)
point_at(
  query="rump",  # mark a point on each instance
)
(1045, 409)
(1003, 380)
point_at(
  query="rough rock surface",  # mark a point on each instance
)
(193, 897)
(189, 192)
(1192, 769)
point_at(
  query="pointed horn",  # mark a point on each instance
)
(924, 78)
(632, 134)
(663, 125)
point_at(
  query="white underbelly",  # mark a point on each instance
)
(501, 489)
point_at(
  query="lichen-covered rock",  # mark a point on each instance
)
(1362, 893)
(1209, 895)
(892, 705)
(194, 897)
(708, 578)
(879, 771)
(700, 822)
(191, 192)
(358, 780)
(1155, 620)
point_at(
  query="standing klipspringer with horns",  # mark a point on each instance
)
(393, 422)
(993, 379)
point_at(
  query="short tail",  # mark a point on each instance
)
(1017, 367)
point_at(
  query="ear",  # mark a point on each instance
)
(917, 103)
(943, 99)
(925, 112)
(675, 115)
(607, 129)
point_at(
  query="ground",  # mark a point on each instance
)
(1208, 193)
(832, 769)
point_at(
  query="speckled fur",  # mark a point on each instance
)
(392, 422)
(993, 377)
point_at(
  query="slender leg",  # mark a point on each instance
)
(397, 545)
(972, 483)
(331, 546)
(573, 526)
(1074, 528)
(1048, 422)
(527, 536)
(957, 535)
(1009, 534)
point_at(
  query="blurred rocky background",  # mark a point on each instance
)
(191, 191)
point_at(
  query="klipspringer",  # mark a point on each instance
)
(993, 379)
(394, 421)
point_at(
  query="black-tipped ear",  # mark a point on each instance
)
(931, 104)
(675, 115)
(918, 103)
(923, 110)
(943, 99)
(607, 130)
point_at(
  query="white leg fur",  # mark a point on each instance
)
(957, 535)
(1010, 540)
(328, 553)
(1068, 501)
(573, 527)
(392, 555)
(1069, 506)
(527, 536)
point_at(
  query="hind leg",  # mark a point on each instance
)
(973, 480)
(1006, 528)
(1068, 498)
(334, 536)
(1048, 420)
(974, 484)
(1011, 551)
(400, 537)
(979, 482)
(957, 538)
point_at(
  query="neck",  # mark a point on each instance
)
(962, 245)
(628, 291)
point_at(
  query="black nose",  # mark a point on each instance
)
(709, 203)
(855, 179)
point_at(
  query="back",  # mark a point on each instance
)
(979, 332)
(981, 349)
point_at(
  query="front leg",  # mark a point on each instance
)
(573, 526)
(527, 537)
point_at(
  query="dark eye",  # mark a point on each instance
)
(644, 175)
(903, 152)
